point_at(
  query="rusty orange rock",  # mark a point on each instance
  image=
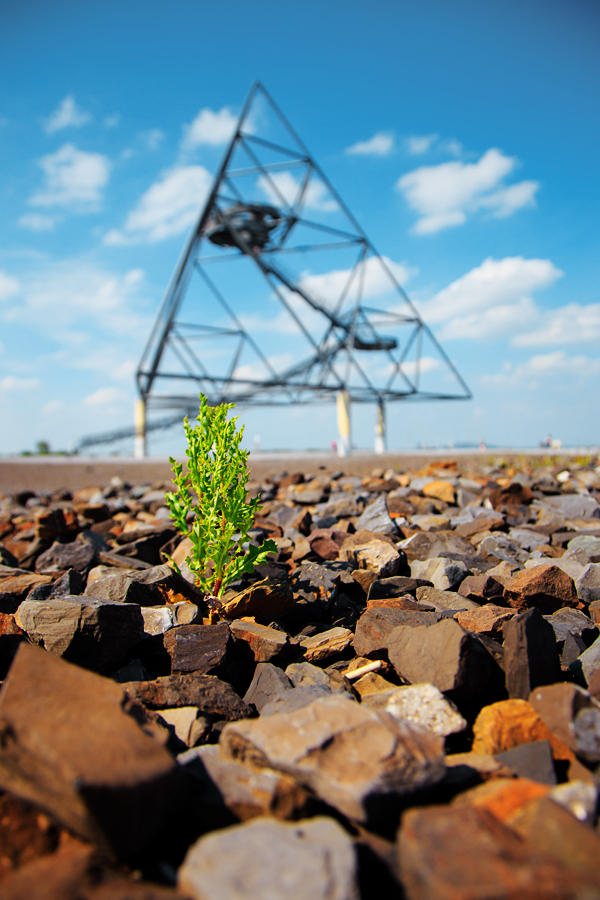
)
(508, 723)
(502, 796)
(440, 490)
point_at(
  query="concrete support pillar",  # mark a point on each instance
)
(343, 417)
(139, 420)
(380, 446)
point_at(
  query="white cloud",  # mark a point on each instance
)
(283, 185)
(375, 280)
(500, 321)
(494, 283)
(38, 222)
(209, 127)
(169, 206)
(74, 179)
(418, 144)
(52, 407)
(106, 396)
(112, 121)
(444, 195)
(545, 365)
(153, 138)
(381, 144)
(8, 286)
(570, 324)
(68, 115)
(11, 383)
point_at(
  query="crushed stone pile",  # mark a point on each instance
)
(404, 701)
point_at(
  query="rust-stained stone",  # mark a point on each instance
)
(502, 796)
(552, 829)
(488, 619)
(508, 723)
(70, 743)
(546, 587)
(466, 853)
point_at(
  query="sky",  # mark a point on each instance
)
(462, 135)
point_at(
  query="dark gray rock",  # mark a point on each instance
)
(267, 684)
(530, 653)
(77, 555)
(533, 760)
(376, 518)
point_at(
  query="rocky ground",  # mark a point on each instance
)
(404, 702)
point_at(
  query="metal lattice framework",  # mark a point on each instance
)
(274, 236)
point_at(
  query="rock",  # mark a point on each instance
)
(419, 704)
(304, 674)
(267, 684)
(190, 726)
(208, 650)
(77, 555)
(481, 588)
(504, 571)
(64, 873)
(546, 587)
(53, 522)
(267, 644)
(533, 760)
(375, 626)
(154, 586)
(371, 683)
(291, 701)
(114, 789)
(441, 490)
(587, 584)
(514, 495)
(94, 634)
(585, 549)
(15, 588)
(326, 644)
(210, 695)
(443, 573)
(364, 550)
(269, 599)
(530, 653)
(242, 791)
(425, 545)
(345, 753)
(145, 544)
(269, 860)
(159, 619)
(575, 506)
(447, 656)
(376, 518)
(572, 621)
(431, 523)
(488, 619)
(11, 636)
(553, 830)
(501, 726)
(466, 852)
(326, 542)
(443, 600)
(405, 602)
(579, 797)
(502, 796)
(587, 664)
(561, 706)
(395, 586)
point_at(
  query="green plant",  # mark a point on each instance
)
(218, 519)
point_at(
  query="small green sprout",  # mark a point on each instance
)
(218, 519)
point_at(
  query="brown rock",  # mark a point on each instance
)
(399, 603)
(464, 853)
(61, 876)
(326, 644)
(25, 834)
(551, 829)
(199, 648)
(476, 526)
(71, 744)
(481, 588)
(326, 542)
(509, 723)
(268, 599)
(514, 495)
(546, 587)
(267, 644)
(441, 490)
(426, 545)
(375, 626)
(52, 523)
(153, 586)
(366, 550)
(207, 692)
(488, 619)
(559, 706)
(15, 588)
(345, 753)
(447, 656)
(502, 796)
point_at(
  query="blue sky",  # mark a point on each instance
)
(462, 135)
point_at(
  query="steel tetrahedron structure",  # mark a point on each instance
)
(280, 298)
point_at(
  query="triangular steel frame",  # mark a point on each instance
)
(350, 329)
